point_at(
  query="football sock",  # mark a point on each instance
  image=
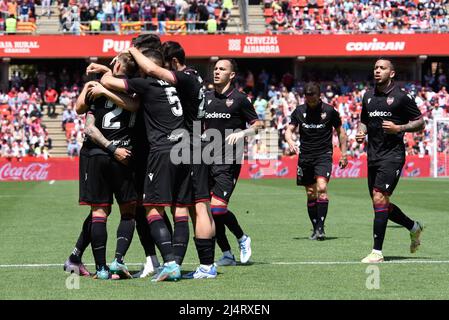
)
(321, 213)
(125, 233)
(311, 209)
(144, 232)
(206, 250)
(396, 215)
(231, 222)
(168, 223)
(161, 237)
(180, 238)
(83, 240)
(220, 231)
(99, 238)
(380, 225)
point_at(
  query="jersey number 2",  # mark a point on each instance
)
(107, 118)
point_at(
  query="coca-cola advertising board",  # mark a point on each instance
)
(30, 169)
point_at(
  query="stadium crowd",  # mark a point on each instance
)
(76, 16)
(274, 100)
(360, 16)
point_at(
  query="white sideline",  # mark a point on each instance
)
(272, 263)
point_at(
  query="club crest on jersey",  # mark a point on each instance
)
(323, 115)
(390, 100)
(229, 102)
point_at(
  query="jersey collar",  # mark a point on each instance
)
(226, 94)
(388, 89)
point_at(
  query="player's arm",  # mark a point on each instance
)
(150, 68)
(343, 140)
(362, 130)
(97, 68)
(120, 99)
(95, 135)
(80, 105)
(289, 138)
(112, 83)
(249, 132)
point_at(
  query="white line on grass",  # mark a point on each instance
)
(272, 263)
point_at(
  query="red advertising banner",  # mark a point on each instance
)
(206, 46)
(67, 169)
(415, 166)
(30, 169)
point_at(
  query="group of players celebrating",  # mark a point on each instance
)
(149, 123)
(158, 142)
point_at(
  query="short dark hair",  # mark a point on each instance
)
(155, 55)
(312, 87)
(147, 41)
(234, 67)
(387, 59)
(172, 49)
(129, 64)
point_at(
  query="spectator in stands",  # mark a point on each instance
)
(73, 148)
(12, 8)
(50, 98)
(261, 107)
(211, 24)
(68, 116)
(46, 7)
(11, 24)
(223, 19)
(192, 15)
(24, 11)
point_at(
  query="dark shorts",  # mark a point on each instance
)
(139, 162)
(200, 182)
(101, 177)
(166, 184)
(222, 179)
(384, 175)
(310, 168)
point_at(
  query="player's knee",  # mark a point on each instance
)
(379, 198)
(322, 195)
(101, 211)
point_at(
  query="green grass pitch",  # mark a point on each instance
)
(40, 222)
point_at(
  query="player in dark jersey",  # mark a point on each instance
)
(387, 112)
(166, 184)
(189, 85)
(227, 111)
(104, 169)
(315, 120)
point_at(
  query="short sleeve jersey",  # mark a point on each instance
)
(393, 105)
(114, 123)
(189, 85)
(163, 113)
(315, 129)
(228, 112)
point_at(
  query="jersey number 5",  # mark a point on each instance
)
(173, 98)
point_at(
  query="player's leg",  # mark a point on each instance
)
(218, 209)
(125, 232)
(396, 215)
(181, 233)
(74, 262)
(162, 238)
(380, 201)
(322, 204)
(311, 207)
(99, 237)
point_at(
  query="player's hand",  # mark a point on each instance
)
(360, 137)
(95, 91)
(234, 137)
(343, 162)
(96, 68)
(293, 147)
(122, 155)
(390, 128)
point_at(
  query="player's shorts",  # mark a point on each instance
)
(222, 179)
(200, 182)
(309, 169)
(167, 184)
(101, 177)
(139, 162)
(384, 175)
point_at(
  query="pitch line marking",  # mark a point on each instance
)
(269, 263)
